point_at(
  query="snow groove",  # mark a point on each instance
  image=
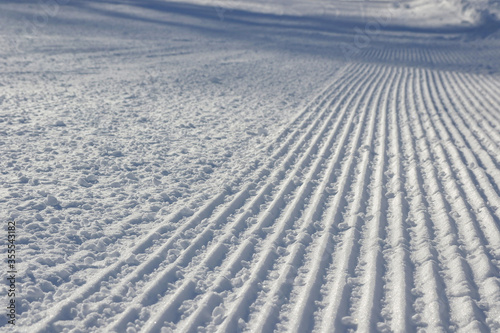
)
(365, 210)
(376, 210)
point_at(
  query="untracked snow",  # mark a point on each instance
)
(251, 166)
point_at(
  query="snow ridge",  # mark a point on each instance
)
(321, 233)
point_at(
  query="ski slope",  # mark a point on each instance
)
(187, 167)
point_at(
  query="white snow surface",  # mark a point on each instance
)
(251, 166)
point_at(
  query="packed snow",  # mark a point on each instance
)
(250, 166)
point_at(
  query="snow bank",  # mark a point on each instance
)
(477, 12)
(414, 13)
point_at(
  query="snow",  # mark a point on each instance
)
(251, 166)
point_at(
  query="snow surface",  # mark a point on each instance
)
(253, 166)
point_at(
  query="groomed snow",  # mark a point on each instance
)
(254, 166)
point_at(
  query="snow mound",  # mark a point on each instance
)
(479, 12)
